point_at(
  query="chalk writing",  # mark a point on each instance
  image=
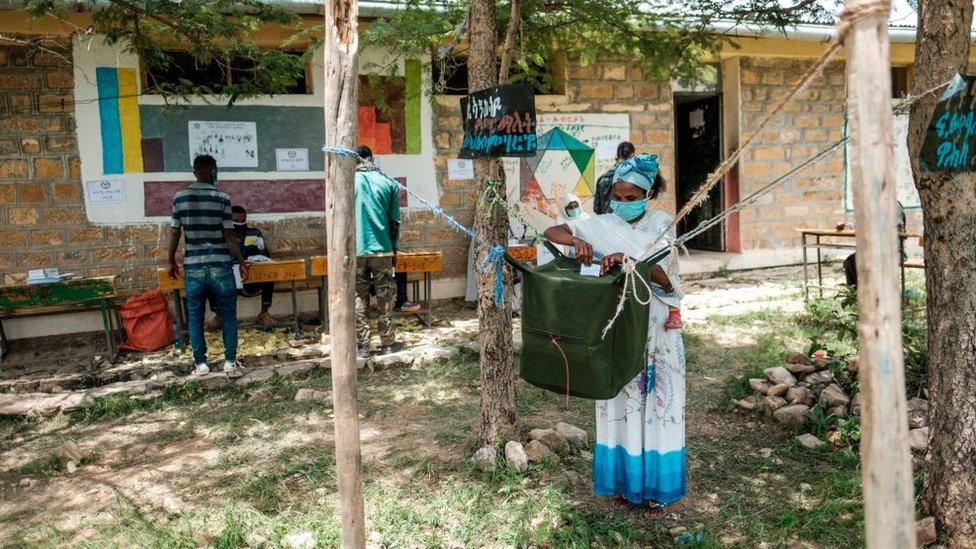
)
(951, 138)
(499, 121)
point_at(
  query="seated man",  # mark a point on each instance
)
(253, 245)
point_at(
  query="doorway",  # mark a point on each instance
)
(698, 130)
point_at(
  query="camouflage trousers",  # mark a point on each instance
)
(376, 274)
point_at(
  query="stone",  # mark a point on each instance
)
(553, 440)
(71, 467)
(295, 369)
(917, 404)
(315, 350)
(261, 396)
(917, 419)
(779, 374)
(537, 451)
(778, 390)
(255, 376)
(515, 455)
(484, 459)
(303, 540)
(213, 381)
(773, 403)
(819, 378)
(851, 365)
(800, 395)
(810, 442)
(69, 451)
(918, 439)
(837, 411)
(793, 415)
(797, 358)
(749, 403)
(804, 487)
(311, 395)
(392, 360)
(576, 437)
(766, 453)
(437, 352)
(173, 505)
(856, 405)
(833, 395)
(800, 369)
(759, 385)
(925, 533)
(76, 401)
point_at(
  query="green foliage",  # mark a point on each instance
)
(664, 39)
(212, 32)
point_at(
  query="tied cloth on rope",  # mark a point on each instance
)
(496, 254)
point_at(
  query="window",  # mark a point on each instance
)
(899, 82)
(183, 68)
(547, 79)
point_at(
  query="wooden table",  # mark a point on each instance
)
(425, 263)
(818, 234)
(66, 296)
(284, 270)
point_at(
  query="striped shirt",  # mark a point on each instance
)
(203, 213)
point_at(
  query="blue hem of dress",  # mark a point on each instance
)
(651, 476)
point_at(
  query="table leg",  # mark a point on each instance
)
(325, 304)
(806, 275)
(4, 346)
(178, 305)
(428, 308)
(901, 263)
(819, 268)
(294, 308)
(107, 326)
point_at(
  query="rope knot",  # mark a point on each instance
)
(496, 259)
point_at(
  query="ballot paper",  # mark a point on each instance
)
(591, 270)
(237, 277)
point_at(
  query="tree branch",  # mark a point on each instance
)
(508, 50)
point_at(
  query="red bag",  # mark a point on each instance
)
(147, 322)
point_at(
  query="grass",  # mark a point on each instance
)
(273, 474)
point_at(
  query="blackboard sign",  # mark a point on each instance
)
(950, 142)
(499, 121)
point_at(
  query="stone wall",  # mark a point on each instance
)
(42, 208)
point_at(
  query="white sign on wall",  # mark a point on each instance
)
(232, 144)
(291, 160)
(105, 191)
(459, 169)
(904, 182)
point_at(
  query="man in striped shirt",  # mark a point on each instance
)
(204, 214)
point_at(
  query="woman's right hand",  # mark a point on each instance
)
(584, 252)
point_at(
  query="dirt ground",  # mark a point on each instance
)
(254, 466)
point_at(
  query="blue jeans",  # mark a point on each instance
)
(202, 282)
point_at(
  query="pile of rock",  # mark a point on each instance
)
(789, 392)
(543, 445)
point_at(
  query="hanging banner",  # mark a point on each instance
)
(950, 142)
(499, 121)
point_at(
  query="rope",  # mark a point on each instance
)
(496, 253)
(631, 276)
(555, 343)
(847, 18)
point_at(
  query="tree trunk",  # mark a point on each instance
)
(341, 84)
(885, 456)
(949, 207)
(498, 412)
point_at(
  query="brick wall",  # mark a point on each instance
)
(42, 209)
(810, 123)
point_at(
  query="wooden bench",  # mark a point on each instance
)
(285, 270)
(523, 252)
(424, 263)
(66, 296)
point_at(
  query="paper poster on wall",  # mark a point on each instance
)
(904, 182)
(291, 160)
(567, 160)
(460, 169)
(105, 191)
(232, 144)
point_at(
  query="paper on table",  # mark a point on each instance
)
(237, 277)
(592, 270)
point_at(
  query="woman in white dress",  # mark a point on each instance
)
(640, 434)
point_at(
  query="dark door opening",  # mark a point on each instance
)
(698, 122)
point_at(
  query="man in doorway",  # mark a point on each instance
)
(209, 249)
(254, 247)
(604, 184)
(377, 230)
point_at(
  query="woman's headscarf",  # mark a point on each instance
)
(640, 170)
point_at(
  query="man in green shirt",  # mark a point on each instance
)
(377, 229)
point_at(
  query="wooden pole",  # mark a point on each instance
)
(341, 84)
(886, 469)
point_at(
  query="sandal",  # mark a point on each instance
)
(621, 504)
(653, 511)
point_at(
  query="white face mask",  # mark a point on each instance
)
(572, 212)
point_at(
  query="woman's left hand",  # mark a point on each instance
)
(609, 261)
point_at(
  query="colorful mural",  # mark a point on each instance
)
(389, 111)
(118, 112)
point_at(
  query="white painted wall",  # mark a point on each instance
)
(91, 52)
